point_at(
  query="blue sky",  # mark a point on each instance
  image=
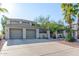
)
(30, 11)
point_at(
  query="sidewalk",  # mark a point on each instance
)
(72, 44)
(1, 44)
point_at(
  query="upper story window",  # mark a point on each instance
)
(14, 22)
(25, 22)
(33, 24)
(18, 22)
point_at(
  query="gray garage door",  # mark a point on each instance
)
(16, 34)
(30, 34)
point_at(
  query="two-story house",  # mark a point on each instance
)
(24, 29)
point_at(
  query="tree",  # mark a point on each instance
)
(68, 12)
(61, 25)
(51, 25)
(3, 10)
(4, 22)
(4, 18)
(43, 21)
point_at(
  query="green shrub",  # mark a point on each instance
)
(69, 37)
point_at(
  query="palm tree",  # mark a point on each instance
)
(3, 10)
(3, 18)
(76, 10)
(67, 9)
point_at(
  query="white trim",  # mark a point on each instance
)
(37, 33)
(24, 33)
(48, 33)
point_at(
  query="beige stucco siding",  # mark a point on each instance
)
(20, 26)
(24, 29)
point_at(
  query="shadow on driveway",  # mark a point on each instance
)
(27, 41)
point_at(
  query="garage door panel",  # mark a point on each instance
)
(16, 33)
(30, 34)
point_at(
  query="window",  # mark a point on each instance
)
(33, 24)
(14, 22)
(42, 31)
(25, 22)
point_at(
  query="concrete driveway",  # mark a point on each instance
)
(12, 42)
(48, 48)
